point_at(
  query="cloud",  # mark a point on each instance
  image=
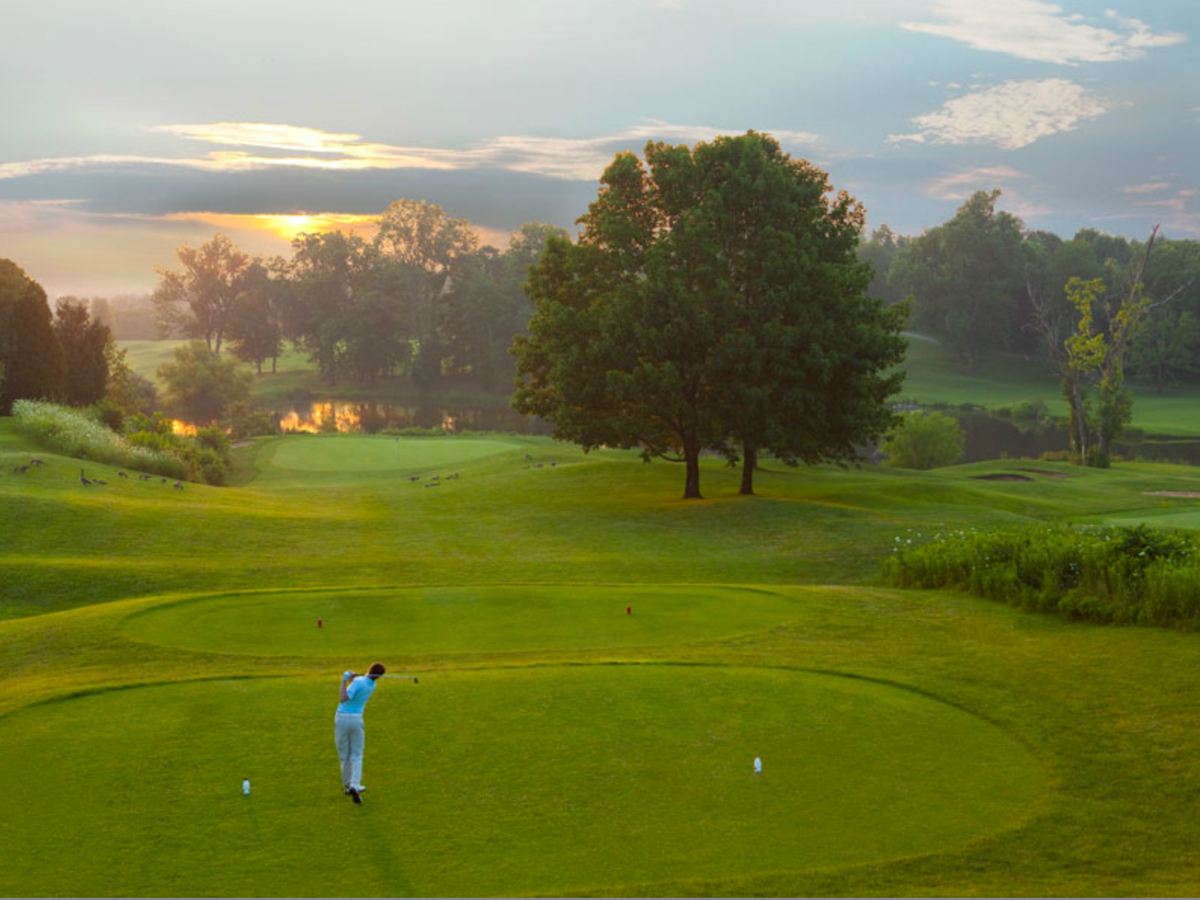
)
(1174, 203)
(1011, 115)
(1030, 29)
(961, 185)
(271, 146)
(1011, 201)
(1150, 188)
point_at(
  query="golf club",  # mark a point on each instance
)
(413, 678)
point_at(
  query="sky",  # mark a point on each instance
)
(132, 127)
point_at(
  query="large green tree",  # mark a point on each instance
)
(966, 277)
(254, 327)
(428, 245)
(85, 343)
(30, 351)
(712, 302)
(487, 306)
(198, 299)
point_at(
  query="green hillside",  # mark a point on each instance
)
(599, 662)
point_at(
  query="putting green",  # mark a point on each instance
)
(361, 453)
(495, 782)
(394, 622)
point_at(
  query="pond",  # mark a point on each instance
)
(371, 417)
(990, 437)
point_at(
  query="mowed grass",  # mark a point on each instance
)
(644, 771)
(411, 621)
(998, 380)
(161, 646)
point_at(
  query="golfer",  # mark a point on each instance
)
(348, 729)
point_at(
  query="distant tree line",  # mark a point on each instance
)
(981, 282)
(422, 299)
(68, 355)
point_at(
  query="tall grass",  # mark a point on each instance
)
(1124, 575)
(74, 433)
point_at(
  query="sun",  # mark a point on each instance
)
(284, 225)
(289, 226)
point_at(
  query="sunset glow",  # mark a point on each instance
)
(284, 226)
(1078, 112)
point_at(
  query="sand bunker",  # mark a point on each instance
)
(1188, 494)
(1003, 476)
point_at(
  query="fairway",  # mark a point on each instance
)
(1181, 516)
(460, 619)
(626, 773)
(600, 663)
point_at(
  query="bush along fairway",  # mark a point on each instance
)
(600, 664)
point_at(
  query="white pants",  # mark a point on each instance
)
(351, 737)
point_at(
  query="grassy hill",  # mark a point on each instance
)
(600, 663)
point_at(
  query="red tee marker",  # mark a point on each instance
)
(629, 610)
(319, 625)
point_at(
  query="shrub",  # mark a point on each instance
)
(1131, 575)
(202, 385)
(924, 441)
(246, 422)
(1034, 410)
(108, 414)
(74, 433)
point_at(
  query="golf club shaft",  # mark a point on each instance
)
(410, 677)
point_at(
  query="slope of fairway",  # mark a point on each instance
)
(460, 619)
(381, 453)
(604, 517)
(161, 645)
(618, 774)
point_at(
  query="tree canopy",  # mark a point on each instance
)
(199, 298)
(966, 276)
(713, 302)
(30, 351)
(85, 342)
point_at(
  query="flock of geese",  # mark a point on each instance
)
(88, 482)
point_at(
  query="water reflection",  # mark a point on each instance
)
(342, 417)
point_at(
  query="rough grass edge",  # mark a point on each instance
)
(73, 433)
(1130, 575)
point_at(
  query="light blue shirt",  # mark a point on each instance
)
(358, 693)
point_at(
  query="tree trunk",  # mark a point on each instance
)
(258, 366)
(691, 490)
(1100, 457)
(749, 464)
(273, 359)
(1081, 435)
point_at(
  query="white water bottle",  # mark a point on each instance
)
(246, 786)
(757, 766)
